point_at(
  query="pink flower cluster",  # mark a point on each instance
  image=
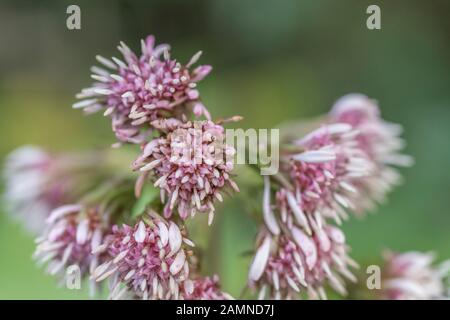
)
(191, 165)
(72, 233)
(37, 182)
(142, 89)
(288, 265)
(380, 141)
(412, 276)
(340, 167)
(28, 194)
(207, 288)
(153, 92)
(324, 175)
(150, 99)
(151, 259)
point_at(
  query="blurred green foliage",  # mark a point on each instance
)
(273, 61)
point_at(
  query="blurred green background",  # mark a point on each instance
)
(273, 61)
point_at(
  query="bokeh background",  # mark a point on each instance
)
(273, 61)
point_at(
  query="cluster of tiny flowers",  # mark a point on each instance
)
(142, 89)
(72, 233)
(381, 142)
(412, 276)
(324, 176)
(289, 265)
(36, 182)
(149, 260)
(190, 164)
(206, 288)
(338, 168)
(310, 253)
(28, 194)
(154, 96)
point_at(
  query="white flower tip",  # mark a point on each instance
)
(269, 217)
(307, 246)
(82, 231)
(260, 260)
(177, 263)
(62, 211)
(315, 156)
(174, 238)
(163, 233)
(189, 287)
(140, 233)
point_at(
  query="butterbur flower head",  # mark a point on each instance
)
(73, 232)
(379, 139)
(323, 175)
(143, 88)
(191, 165)
(288, 266)
(149, 260)
(30, 191)
(206, 288)
(37, 182)
(412, 276)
